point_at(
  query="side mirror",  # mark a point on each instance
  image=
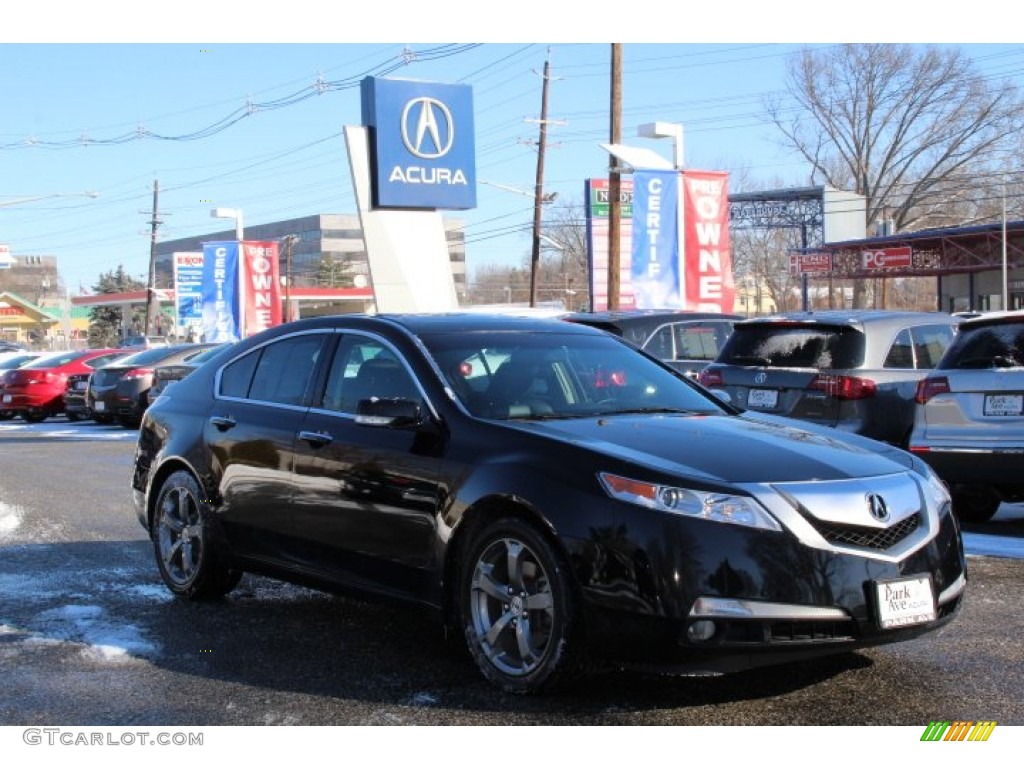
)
(393, 412)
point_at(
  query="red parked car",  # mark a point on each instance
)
(38, 391)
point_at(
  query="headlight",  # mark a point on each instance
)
(935, 489)
(718, 507)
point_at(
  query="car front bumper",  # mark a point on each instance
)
(699, 596)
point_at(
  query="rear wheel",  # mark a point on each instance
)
(186, 554)
(7, 415)
(34, 416)
(975, 505)
(518, 609)
(72, 416)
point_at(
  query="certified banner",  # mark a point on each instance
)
(655, 264)
(709, 283)
(221, 307)
(261, 287)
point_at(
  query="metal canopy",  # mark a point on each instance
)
(954, 250)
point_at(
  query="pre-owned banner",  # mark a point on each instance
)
(261, 287)
(708, 283)
(655, 266)
(221, 307)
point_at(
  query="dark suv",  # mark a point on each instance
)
(685, 340)
(856, 370)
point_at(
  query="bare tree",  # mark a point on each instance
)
(917, 131)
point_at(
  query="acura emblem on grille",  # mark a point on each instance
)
(877, 507)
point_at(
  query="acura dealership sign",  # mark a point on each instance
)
(422, 143)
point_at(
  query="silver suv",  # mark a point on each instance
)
(855, 370)
(969, 420)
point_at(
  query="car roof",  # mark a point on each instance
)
(992, 318)
(444, 322)
(616, 315)
(856, 317)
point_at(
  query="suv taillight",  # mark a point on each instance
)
(843, 387)
(137, 373)
(929, 387)
(710, 378)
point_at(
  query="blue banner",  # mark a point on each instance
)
(656, 260)
(221, 321)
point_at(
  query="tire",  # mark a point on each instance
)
(520, 627)
(186, 554)
(7, 415)
(72, 416)
(34, 416)
(977, 505)
(102, 418)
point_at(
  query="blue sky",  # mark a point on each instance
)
(74, 93)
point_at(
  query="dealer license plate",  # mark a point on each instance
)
(763, 398)
(1004, 405)
(99, 405)
(903, 602)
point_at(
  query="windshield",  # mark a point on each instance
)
(511, 375)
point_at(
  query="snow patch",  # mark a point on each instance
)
(105, 640)
(10, 519)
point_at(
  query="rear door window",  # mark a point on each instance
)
(794, 346)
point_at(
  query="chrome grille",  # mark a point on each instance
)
(869, 538)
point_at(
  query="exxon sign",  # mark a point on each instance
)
(422, 142)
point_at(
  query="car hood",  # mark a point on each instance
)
(732, 449)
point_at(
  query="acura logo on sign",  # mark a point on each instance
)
(761, 378)
(877, 507)
(428, 130)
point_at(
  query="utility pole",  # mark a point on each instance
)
(614, 181)
(538, 197)
(152, 301)
(289, 242)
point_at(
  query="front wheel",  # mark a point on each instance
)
(186, 554)
(518, 609)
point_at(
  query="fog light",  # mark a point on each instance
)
(700, 631)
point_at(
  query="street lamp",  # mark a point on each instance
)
(546, 198)
(231, 213)
(661, 130)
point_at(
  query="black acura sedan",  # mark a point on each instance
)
(558, 496)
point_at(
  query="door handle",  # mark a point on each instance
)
(223, 423)
(315, 439)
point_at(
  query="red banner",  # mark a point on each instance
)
(261, 287)
(708, 283)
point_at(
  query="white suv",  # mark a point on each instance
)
(969, 415)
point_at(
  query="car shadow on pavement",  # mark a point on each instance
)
(274, 637)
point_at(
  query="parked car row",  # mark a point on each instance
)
(948, 387)
(105, 385)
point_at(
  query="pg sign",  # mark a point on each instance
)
(422, 143)
(886, 258)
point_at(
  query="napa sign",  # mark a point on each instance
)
(422, 143)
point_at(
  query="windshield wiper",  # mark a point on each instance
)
(683, 411)
(995, 361)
